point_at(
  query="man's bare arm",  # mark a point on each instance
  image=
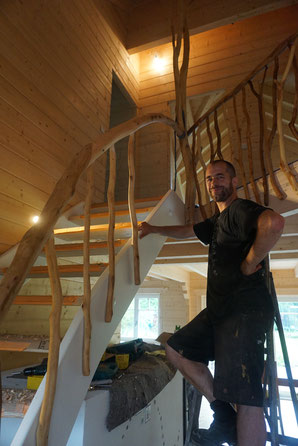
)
(269, 229)
(179, 232)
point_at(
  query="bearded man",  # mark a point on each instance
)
(231, 330)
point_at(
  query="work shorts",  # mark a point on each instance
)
(237, 346)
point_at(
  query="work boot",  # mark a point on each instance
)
(222, 429)
(217, 434)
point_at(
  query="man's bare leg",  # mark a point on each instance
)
(251, 428)
(196, 373)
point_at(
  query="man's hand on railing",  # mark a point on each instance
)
(179, 232)
(145, 229)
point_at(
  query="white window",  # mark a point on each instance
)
(141, 319)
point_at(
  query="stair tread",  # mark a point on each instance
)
(73, 270)
(120, 213)
(122, 230)
(137, 201)
(46, 300)
(76, 249)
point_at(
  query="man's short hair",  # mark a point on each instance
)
(230, 167)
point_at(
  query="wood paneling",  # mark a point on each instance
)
(150, 20)
(56, 64)
(218, 58)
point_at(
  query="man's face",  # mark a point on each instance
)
(219, 183)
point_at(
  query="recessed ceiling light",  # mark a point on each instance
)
(158, 63)
(35, 218)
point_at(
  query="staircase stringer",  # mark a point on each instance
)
(72, 386)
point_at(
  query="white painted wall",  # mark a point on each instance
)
(160, 423)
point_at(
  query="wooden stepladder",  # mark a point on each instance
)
(271, 394)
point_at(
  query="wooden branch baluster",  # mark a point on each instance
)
(111, 241)
(295, 105)
(132, 210)
(240, 157)
(249, 146)
(212, 154)
(294, 116)
(280, 88)
(218, 134)
(86, 274)
(180, 76)
(259, 97)
(203, 164)
(274, 104)
(270, 137)
(54, 346)
(194, 164)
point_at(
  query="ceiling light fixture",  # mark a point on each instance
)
(35, 218)
(158, 63)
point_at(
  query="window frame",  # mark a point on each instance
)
(136, 299)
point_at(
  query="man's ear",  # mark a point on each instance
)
(235, 181)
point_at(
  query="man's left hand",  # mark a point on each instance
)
(248, 269)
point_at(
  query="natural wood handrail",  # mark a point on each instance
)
(267, 61)
(36, 237)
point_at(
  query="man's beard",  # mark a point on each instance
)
(222, 193)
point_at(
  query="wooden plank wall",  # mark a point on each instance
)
(219, 59)
(56, 62)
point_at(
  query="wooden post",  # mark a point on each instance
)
(218, 134)
(180, 76)
(240, 157)
(86, 274)
(194, 164)
(249, 146)
(203, 164)
(132, 210)
(259, 97)
(54, 346)
(280, 88)
(294, 115)
(210, 139)
(269, 137)
(111, 241)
